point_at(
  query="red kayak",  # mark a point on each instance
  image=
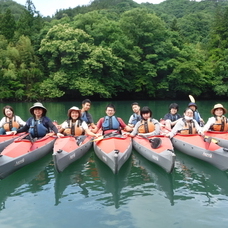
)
(69, 149)
(202, 148)
(221, 138)
(5, 140)
(163, 155)
(114, 150)
(22, 152)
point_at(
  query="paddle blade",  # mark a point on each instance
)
(80, 139)
(155, 142)
(98, 138)
(192, 99)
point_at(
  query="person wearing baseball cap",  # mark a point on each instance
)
(218, 122)
(196, 115)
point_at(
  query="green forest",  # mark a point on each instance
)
(114, 49)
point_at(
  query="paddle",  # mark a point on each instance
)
(155, 142)
(105, 136)
(192, 99)
(98, 138)
(31, 138)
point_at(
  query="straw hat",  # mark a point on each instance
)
(38, 105)
(74, 108)
(192, 104)
(218, 106)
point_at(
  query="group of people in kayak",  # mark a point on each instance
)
(192, 123)
(141, 122)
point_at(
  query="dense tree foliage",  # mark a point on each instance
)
(114, 48)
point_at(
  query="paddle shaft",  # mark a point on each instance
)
(154, 144)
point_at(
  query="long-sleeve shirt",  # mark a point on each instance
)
(209, 123)
(45, 121)
(17, 118)
(180, 125)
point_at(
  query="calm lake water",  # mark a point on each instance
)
(87, 194)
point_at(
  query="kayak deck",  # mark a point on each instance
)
(221, 137)
(5, 140)
(163, 155)
(114, 151)
(66, 151)
(22, 152)
(196, 146)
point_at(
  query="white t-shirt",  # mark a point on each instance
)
(66, 125)
(18, 120)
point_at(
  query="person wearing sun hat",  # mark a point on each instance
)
(218, 122)
(39, 125)
(196, 115)
(74, 125)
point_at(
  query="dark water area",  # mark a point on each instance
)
(88, 194)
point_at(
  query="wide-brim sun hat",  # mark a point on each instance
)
(192, 104)
(218, 106)
(74, 108)
(38, 105)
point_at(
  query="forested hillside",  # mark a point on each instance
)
(115, 49)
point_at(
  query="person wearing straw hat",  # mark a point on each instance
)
(218, 122)
(39, 125)
(74, 125)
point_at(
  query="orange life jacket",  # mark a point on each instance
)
(146, 126)
(189, 128)
(220, 124)
(10, 123)
(74, 128)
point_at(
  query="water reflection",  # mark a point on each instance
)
(195, 177)
(113, 183)
(74, 175)
(155, 176)
(31, 178)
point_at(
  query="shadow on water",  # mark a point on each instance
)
(158, 177)
(34, 176)
(114, 183)
(73, 174)
(200, 176)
